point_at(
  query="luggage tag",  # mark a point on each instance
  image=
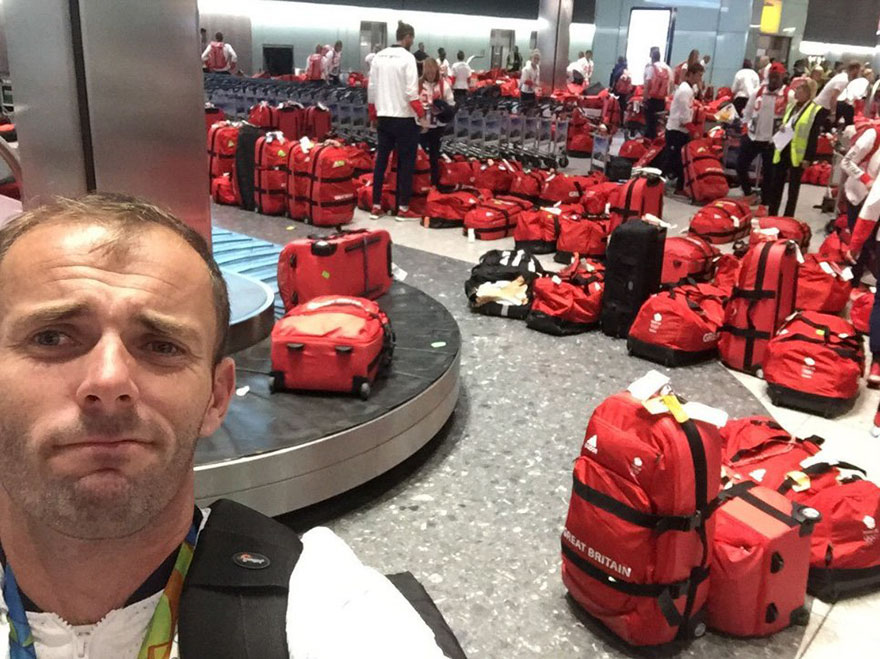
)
(556, 280)
(398, 273)
(797, 251)
(648, 385)
(306, 144)
(653, 219)
(472, 236)
(711, 415)
(800, 479)
(553, 210)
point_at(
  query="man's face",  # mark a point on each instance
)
(106, 377)
(853, 73)
(774, 80)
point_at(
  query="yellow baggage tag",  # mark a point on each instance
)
(674, 406)
(655, 405)
(801, 481)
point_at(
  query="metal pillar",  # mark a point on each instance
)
(108, 97)
(554, 21)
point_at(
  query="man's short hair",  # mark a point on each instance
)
(218, 36)
(338, 44)
(404, 30)
(853, 66)
(124, 216)
(460, 55)
(695, 69)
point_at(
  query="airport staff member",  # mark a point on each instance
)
(219, 57)
(393, 98)
(113, 321)
(763, 115)
(680, 115)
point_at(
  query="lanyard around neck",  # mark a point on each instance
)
(160, 633)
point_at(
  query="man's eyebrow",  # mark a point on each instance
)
(52, 313)
(165, 326)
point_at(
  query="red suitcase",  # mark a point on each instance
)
(222, 143)
(760, 562)
(527, 184)
(704, 178)
(845, 551)
(722, 221)
(264, 116)
(788, 228)
(320, 187)
(212, 116)
(815, 363)
(270, 173)
(568, 303)
(688, 257)
(635, 549)
(291, 120)
(679, 326)
(318, 122)
(494, 219)
(331, 343)
(354, 263)
(758, 449)
(638, 197)
(537, 230)
(763, 299)
(582, 236)
(223, 191)
(823, 286)
(446, 210)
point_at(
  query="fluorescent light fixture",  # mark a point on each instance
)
(822, 48)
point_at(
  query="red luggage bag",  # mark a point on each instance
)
(495, 175)
(634, 149)
(814, 363)
(537, 230)
(760, 562)
(562, 188)
(568, 303)
(320, 187)
(527, 184)
(788, 229)
(318, 122)
(688, 257)
(860, 311)
(223, 191)
(823, 286)
(270, 173)
(679, 326)
(455, 173)
(704, 178)
(584, 236)
(222, 143)
(722, 221)
(635, 549)
(264, 115)
(640, 196)
(331, 343)
(446, 210)
(652, 157)
(596, 200)
(354, 263)
(764, 298)
(212, 116)
(494, 219)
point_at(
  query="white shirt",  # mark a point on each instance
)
(855, 90)
(228, 52)
(331, 62)
(462, 74)
(430, 92)
(682, 110)
(852, 163)
(837, 84)
(337, 608)
(652, 68)
(368, 60)
(571, 68)
(394, 83)
(760, 115)
(444, 67)
(745, 83)
(585, 66)
(530, 78)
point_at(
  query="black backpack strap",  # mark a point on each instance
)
(234, 600)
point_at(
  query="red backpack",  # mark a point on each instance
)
(822, 286)
(315, 67)
(679, 326)
(217, 56)
(814, 363)
(636, 543)
(658, 85)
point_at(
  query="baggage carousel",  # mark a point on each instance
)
(282, 452)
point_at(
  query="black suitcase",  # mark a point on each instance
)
(618, 169)
(244, 163)
(633, 264)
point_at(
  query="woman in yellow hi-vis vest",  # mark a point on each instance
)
(795, 144)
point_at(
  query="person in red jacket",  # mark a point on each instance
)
(865, 232)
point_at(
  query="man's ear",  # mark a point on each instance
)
(221, 394)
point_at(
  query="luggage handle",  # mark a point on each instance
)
(816, 470)
(296, 346)
(782, 438)
(344, 350)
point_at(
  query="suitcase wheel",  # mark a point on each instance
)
(776, 563)
(563, 162)
(800, 616)
(364, 390)
(772, 614)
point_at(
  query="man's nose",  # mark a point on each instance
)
(108, 385)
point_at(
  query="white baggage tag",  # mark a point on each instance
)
(648, 385)
(705, 413)
(826, 268)
(553, 210)
(306, 144)
(556, 280)
(472, 236)
(847, 274)
(653, 219)
(800, 256)
(737, 223)
(608, 208)
(447, 158)
(398, 273)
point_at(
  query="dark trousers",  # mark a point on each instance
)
(740, 104)
(874, 322)
(781, 172)
(460, 96)
(653, 107)
(400, 134)
(846, 112)
(675, 142)
(527, 99)
(430, 142)
(333, 79)
(748, 151)
(822, 119)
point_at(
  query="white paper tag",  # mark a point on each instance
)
(702, 412)
(800, 256)
(556, 280)
(306, 144)
(826, 268)
(846, 274)
(398, 273)
(648, 385)
(553, 210)
(472, 236)
(736, 221)
(608, 208)
(653, 219)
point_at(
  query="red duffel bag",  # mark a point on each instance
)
(688, 257)
(704, 177)
(757, 448)
(727, 269)
(361, 161)
(762, 300)
(822, 285)
(845, 545)
(264, 115)
(580, 235)
(270, 173)
(446, 210)
(833, 248)
(788, 229)
(679, 326)
(565, 189)
(494, 219)
(579, 144)
(331, 343)
(595, 201)
(635, 549)
(223, 191)
(528, 183)
(760, 562)
(653, 156)
(456, 172)
(634, 149)
(537, 230)
(722, 221)
(568, 303)
(814, 363)
(494, 175)
(639, 196)
(860, 310)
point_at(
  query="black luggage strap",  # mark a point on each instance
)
(818, 469)
(227, 609)
(741, 491)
